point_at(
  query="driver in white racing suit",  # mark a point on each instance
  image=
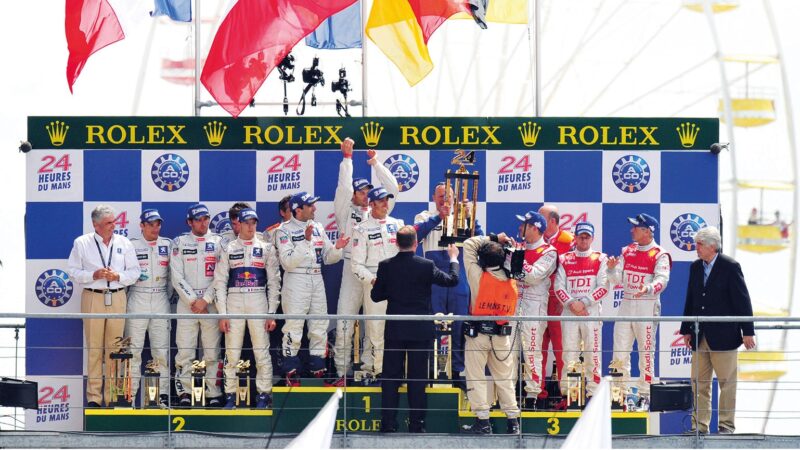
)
(352, 207)
(194, 258)
(643, 270)
(247, 281)
(150, 294)
(303, 247)
(580, 285)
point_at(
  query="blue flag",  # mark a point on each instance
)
(177, 10)
(341, 30)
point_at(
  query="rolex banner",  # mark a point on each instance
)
(602, 170)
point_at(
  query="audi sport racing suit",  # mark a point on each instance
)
(563, 242)
(192, 265)
(304, 290)
(348, 216)
(247, 281)
(150, 295)
(540, 262)
(639, 265)
(444, 300)
(373, 241)
(582, 277)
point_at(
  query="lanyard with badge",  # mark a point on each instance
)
(107, 293)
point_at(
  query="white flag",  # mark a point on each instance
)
(319, 432)
(593, 429)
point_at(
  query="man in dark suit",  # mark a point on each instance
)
(405, 280)
(716, 288)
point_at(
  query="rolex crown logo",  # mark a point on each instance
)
(372, 133)
(215, 130)
(529, 132)
(58, 132)
(687, 132)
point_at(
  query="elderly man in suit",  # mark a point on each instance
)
(405, 280)
(716, 288)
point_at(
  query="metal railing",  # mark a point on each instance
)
(764, 324)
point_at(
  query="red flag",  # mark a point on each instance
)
(89, 25)
(254, 37)
(431, 14)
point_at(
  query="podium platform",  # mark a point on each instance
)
(293, 408)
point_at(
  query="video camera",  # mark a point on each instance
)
(515, 258)
(312, 75)
(286, 68)
(341, 85)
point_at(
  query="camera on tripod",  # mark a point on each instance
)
(341, 85)
(312, 75)
(286, 68)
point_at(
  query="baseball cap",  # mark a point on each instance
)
(379, 193)
(644, 221)
(361, 183)
(535, 219)
(247, 214)
(301, 199)
(197, 211)
(150, 215)
(584, 227)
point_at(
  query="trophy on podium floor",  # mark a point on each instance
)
(243, 391)
(198, 382)
(617, 385)
(462, 225)
(443, 348)
(576, 385)
(151, 386)
(120, 389)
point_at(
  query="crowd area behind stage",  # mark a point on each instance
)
(253, 269)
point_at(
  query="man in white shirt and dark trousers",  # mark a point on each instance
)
(104, 263)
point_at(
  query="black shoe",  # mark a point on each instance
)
(185, 400)
(215, 402)
(512, 427)
(529, 404)
(417, 427)
(481, 426)
(163, 401)
(93, 405)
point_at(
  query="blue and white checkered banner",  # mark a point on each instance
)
(594, 169)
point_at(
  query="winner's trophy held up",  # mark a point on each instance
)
(462, 226)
